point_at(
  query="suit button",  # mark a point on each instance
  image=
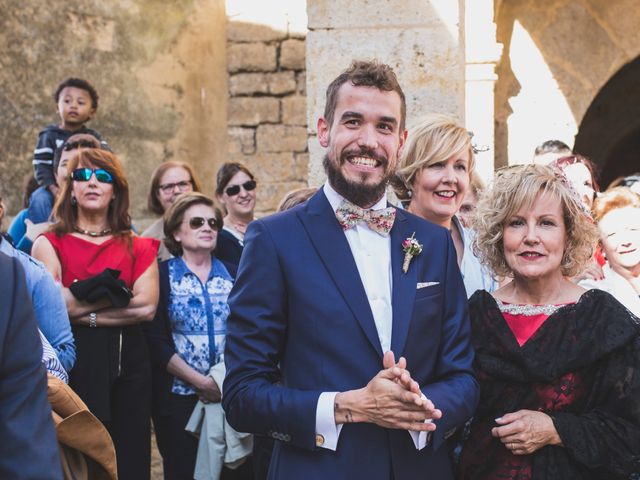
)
(319, 440)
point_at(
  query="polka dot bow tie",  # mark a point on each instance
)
(380, 221)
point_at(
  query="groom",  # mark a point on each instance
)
(349, 352)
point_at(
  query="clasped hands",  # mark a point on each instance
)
(392, 399)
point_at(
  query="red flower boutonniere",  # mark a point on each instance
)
(411, 247)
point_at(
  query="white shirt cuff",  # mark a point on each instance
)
(420, 439)
(327, 432)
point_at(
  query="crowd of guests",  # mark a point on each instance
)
(136, 323)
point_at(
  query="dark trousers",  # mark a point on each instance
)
(179, 448)
(120, 394)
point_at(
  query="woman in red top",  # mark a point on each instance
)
(93, 232)
(558, 366)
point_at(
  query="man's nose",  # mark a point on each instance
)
(368, 137)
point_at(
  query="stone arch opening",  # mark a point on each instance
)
(609, 133)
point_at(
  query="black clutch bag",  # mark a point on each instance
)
(104, 285)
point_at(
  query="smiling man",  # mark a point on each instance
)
(331, 293)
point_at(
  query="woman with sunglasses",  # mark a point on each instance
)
(236, 191)
(187, 335)
(168, 181)
(92, 233)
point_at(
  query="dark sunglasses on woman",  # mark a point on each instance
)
(84, 174)
(235, 189)
(197, 222)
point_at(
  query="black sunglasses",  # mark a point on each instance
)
(197, 222)
(84, 174)
(235, 189)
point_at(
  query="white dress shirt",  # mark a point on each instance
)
(372, 254)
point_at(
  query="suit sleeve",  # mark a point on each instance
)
(254, 400)
(456, 392)
(28, 446)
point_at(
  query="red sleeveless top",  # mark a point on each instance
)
(81, 259)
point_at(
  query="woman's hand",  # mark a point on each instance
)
(593, 271)
(208, 390)
(525, 431)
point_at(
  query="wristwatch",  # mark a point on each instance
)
(93, 320)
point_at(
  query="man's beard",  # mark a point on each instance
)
(362, 194)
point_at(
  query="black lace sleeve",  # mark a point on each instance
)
(607, 437)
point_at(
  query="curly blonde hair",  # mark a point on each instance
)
(515, 188)
(434, 138)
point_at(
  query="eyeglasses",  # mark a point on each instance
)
(84, 174)
(235, 189)
(170, 187)
(197, 222)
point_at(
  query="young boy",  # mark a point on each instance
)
(77, 103)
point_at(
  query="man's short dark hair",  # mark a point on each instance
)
(552, 146)
(365, 74)
(81, 84)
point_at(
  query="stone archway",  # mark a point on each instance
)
(609, 133)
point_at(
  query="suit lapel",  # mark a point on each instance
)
(329, 240)
(404, 284)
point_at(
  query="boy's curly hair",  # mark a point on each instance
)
(81, 84)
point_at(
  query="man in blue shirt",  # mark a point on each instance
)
(48, 304)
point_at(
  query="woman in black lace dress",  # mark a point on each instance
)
(559, 366)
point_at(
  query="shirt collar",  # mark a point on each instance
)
(180, 269)
(335, 199)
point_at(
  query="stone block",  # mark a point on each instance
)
(292, 54)
(281, 138)
(253, 32)
(281, 83)
(251, 57)
(271, 194)
(294, 110)
(301, 81)
(241, 141)
(276, 167)
(248, 84)
(253, 110)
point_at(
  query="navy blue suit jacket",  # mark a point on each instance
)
(301, 324)
(28, 445)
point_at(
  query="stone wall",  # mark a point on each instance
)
(267, 108)
(159, 67)
(579, 44)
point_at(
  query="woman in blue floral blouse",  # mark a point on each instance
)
(187, 335)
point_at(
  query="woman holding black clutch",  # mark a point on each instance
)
(92, 234)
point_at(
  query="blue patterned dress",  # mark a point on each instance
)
(198, 315)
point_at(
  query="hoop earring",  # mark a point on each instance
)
(74, 202)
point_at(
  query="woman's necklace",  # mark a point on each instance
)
(102, 233)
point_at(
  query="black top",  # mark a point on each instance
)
(582, 367)
(48, 140)
(228, 248)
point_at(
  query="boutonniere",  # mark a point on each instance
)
(411, 247)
